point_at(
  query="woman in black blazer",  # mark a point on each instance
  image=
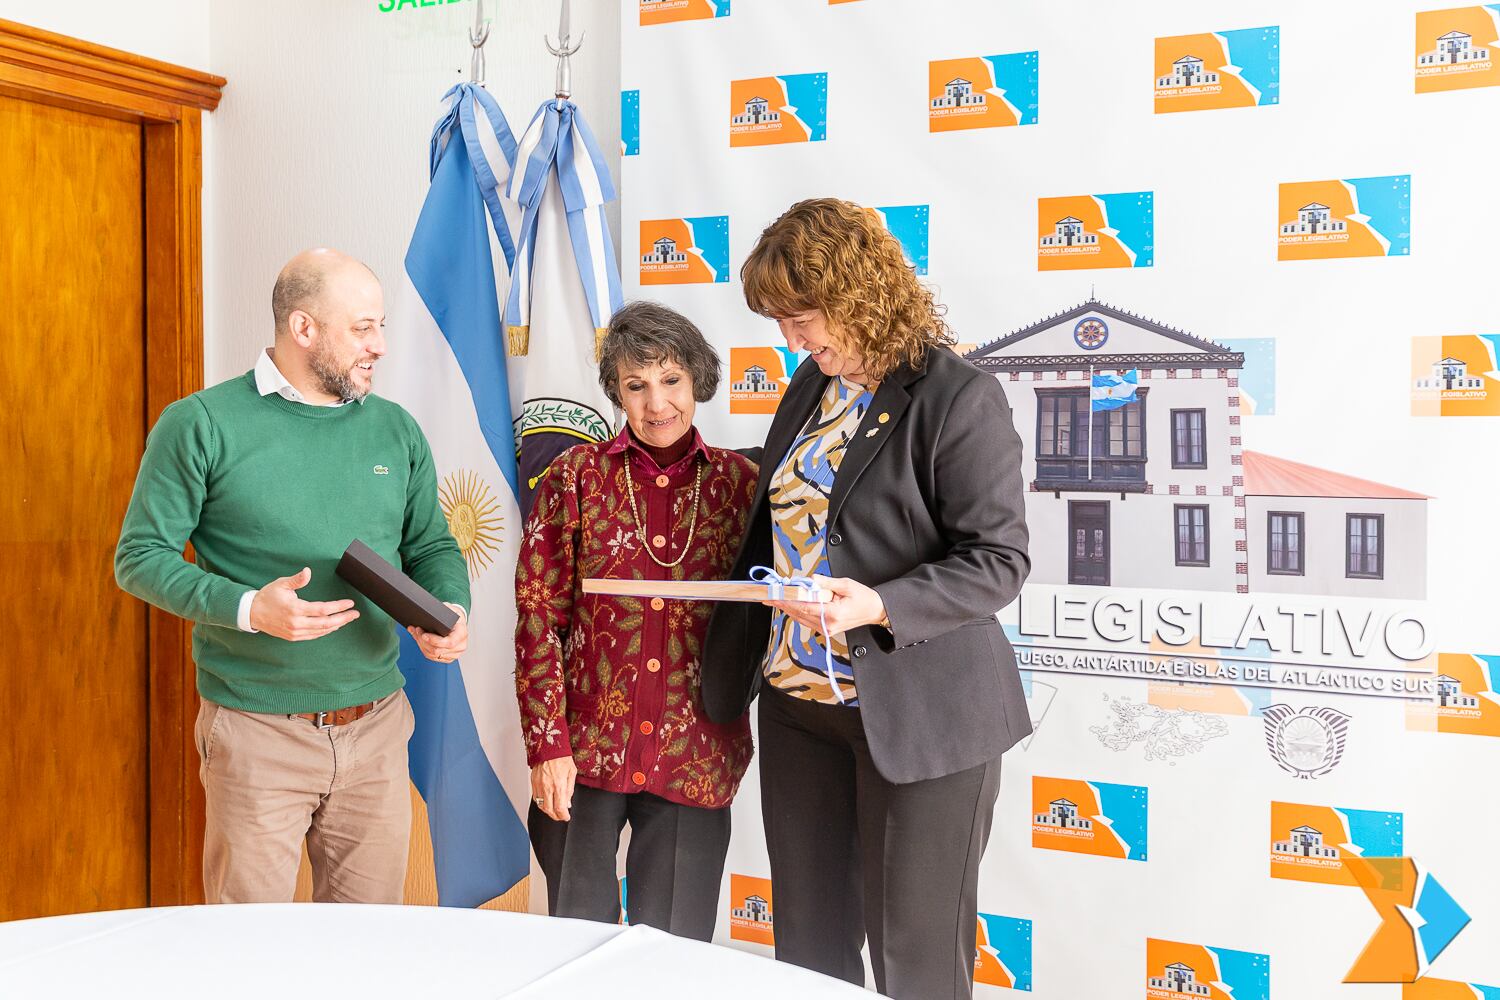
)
(893, 472)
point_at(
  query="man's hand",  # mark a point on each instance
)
(444, 648)
(850, 605)
(552, 786)
(277, 610)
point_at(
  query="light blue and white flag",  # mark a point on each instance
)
(1110, 392)
(565, 287)
(447, 367)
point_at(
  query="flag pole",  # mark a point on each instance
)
(1089, 441)
(564, 48)
(478, 35)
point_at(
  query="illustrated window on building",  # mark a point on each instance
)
(1063, 423)
(1067, 433)
(1284, 543)
(1088, 544)
(1059, 418)
(1124, 438)
(1188, 450)
(1191, 534)
(1364, 547)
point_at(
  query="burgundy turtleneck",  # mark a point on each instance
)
(668, 455)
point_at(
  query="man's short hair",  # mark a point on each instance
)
(297, 287)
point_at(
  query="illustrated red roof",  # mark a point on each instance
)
(1269, 476)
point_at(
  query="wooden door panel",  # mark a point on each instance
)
(73, 765)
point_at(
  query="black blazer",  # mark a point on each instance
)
(937, 525)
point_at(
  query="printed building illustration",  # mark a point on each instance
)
(1063, 814)
(755, 381)
(1453, 49)
(1312, 532)
(757, 112)
(1450, 693)
(1306, 842)
(1449, 374)
(665, 253)
(959, 93)
(1313, 219)
(756, 910)
(1161, 493)
(1069, 232)
(1179, 978)
(1187, 72)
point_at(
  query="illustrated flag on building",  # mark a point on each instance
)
(447, 366)
(565, 287)
(1110, 392)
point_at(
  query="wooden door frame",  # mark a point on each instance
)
(168, 102)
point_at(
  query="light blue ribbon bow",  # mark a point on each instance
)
(464, 104)
(776, 585)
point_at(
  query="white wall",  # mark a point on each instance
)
(172, 30)
(322, 134)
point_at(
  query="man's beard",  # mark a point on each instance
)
(332, 379)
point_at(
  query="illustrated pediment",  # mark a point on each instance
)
(1125, 335)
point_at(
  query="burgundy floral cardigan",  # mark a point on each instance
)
(616, 679)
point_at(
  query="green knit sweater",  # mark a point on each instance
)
(262, 487)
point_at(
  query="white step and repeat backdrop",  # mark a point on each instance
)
(1260, 636)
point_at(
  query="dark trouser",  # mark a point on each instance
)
(672, 869)
(853, 854)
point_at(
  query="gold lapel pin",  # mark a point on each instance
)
(884, 418)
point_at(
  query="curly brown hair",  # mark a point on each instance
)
(836, 257)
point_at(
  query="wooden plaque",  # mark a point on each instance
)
(703, 590)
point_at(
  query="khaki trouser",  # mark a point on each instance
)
(273, 781)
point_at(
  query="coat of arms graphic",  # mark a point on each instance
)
(1307, 742)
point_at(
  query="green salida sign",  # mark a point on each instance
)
(391, 6)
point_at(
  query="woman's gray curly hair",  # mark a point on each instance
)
(647, 333)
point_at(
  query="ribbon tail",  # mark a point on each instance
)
(838, 692)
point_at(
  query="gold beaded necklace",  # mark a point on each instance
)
(640, 522)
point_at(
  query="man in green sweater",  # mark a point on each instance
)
(303, 726)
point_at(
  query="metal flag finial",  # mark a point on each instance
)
(478, 35)
(564, 48)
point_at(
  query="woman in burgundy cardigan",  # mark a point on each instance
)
(611, 714)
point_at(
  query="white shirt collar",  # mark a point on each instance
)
(268, 379)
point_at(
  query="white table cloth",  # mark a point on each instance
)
(375, 952)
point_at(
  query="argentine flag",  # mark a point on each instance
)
(1110, 392)
(447, 367)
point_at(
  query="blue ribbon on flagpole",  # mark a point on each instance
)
(564, 140)
(465, 102)
(776, 585)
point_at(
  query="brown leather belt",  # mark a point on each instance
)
(338, 717)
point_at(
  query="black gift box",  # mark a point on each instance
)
(393, 592)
